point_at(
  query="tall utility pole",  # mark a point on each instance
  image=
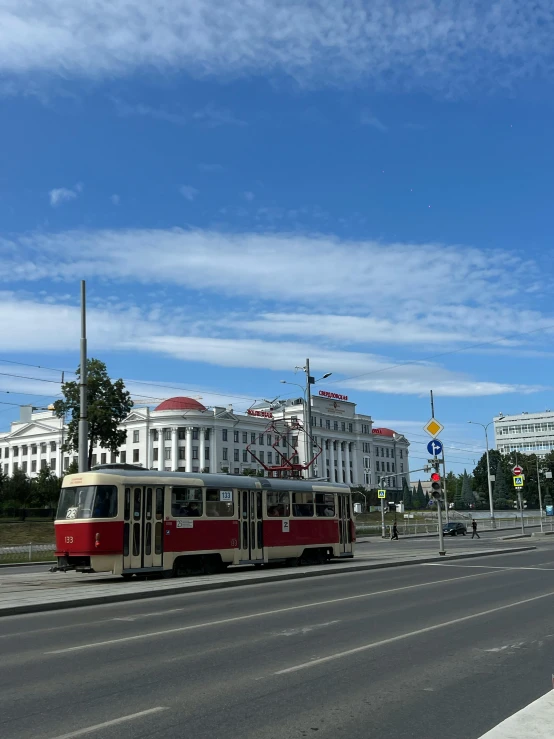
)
(540, 492)
(309, 381)
(491, 502)
(437, 489)
(83, 416)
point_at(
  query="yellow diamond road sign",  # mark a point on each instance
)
(433, 427)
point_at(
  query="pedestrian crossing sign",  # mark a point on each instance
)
(518, 481)
(381, 493)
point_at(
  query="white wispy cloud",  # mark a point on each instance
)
(369, 119)
(54, 327)
(61, 195)
(417, 43)
(115, 199)
(188, 192)
(207, 167)
(248, 195)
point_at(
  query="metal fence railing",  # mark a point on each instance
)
(27, 553)
(406, 528)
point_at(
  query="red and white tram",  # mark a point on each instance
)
(128, 520)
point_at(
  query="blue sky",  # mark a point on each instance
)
(244, 185)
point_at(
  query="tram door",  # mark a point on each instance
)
(345, 531)
(143, 528)
(251, 526)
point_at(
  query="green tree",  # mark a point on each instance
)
(480, 484)
(467, 492)
(45, 488)
(420, 495)
(407, 499)
(72, 468)
(458, 497)
(501, 493)
(108, 404)
(17, 489)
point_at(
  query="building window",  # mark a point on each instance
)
(136, 436)
(182, 434)
(207, 452)
(236, 455)
(103, 458)
(261, 439)
(270, 457)
(167, 434)
(16, 451)
(342, 426)
(335, 445)
(206, 434)
(262, 455)
(24, 466)
(43, 448)
(294, 441)
(245, 456)
(167, 453)
(236, 470)
(16, 466)
(244, 437)
(401, 453)
(236, 437)
(392, 467)
(65, 462)
(155, 435)
(268, 440)
(33, 465)
(52, 446)
(195, 452)
(327, 424)
(123, 457)
(388, 468)
(52, 464)
(253, 438)
(135, 455)
(24, 450)
(195, 434)
(223, 434)
(335, 425)
(225, 454)
(155, 454)
(94, 459)
(401, 467)
(350, 427)
(182, 453)
(387, 451)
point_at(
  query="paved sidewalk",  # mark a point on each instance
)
(33, 592)
(535, 720)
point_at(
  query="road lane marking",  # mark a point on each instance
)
(304, 629)
(409, 634)
(248, 616)
(488, 567)
(146, 615)
(113, 722)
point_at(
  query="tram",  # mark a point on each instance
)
(130, 521)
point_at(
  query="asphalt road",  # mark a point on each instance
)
(420, 651)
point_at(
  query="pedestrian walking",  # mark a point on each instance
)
(474, 529)
(394, 532)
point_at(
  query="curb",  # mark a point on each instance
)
(27, 564)
(183, 590)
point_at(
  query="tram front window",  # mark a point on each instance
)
(88, 501)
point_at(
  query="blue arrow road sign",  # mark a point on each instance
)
(434, 447)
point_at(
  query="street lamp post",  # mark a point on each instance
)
(491, 504)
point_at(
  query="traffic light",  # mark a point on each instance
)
(436, 486)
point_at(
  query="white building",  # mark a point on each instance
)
(530, 433)
(181, 434)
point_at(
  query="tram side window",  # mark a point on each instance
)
(219, 503)
(186, 502)
(325, 504)
(303, 504)
(278, 504)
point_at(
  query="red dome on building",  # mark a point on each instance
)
(383, 432)
(180, 404)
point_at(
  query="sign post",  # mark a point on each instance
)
(518, 484)
(382, 494)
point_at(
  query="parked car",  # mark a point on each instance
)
(454, 528)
